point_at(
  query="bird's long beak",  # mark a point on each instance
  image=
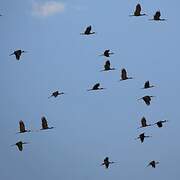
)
(11, 54)
(25, 51)
(26, 142)
(89, 89)
(139, 99)
(147, 136)
(13, 145)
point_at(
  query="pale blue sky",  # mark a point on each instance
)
(89, 125)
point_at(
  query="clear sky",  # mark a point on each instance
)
(89, 125)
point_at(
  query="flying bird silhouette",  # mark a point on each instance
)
(106, 162)
(19, 145)
(44, 124)
(107, 66)
(18, 54)
(160, 123)
(106, 53)
(96, 87)
(153, 163)
(87, 31)
(147, 85)
(144, 123)
(22, 128)
(137, 11)
(142, 136)
(55, 94)
(146, 99)
(157, 16)
(124, 75)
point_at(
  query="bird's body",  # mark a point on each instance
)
(22, 128)
(137, 11)
(19, 145)
(18, 53)
(56, 93)
(142, 136)
(147, 99)
(88, 31)
(44, 124)
(160, 123)
(144, 123)
(124, 75)
(147, 85)
(157, 16)
(106, 53)
(153, 163)
(107, 66)
(96, 87)
(106, 162)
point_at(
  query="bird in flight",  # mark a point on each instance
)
(147, 85)
(153, 163)
(22, 128)
(55, 94)
(44, 124)
(88, 31)
(160, 123)
(18, 53)
(144, 123)
(147, 99)
(106, 162)
(137, 11)
(124, 75)
(106, 53)
(96, 87)
(157, 16)
(142, 136)
(107, 66)
(19, 145)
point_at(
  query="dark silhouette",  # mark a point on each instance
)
(144, 123)
(124, 75)
(153, 164)
(147, 99)
(18, 53)
(157, 16)
(96, 87)
(106, 53)
(56, 93)
(106, 162)
(147, 85)
(137, 11)
(160, 123)
(22, 127)
(107, 66)
(142, 136)
(44, 124)
(19, 145)
(87, 31)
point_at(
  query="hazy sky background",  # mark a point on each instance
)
(89, 125)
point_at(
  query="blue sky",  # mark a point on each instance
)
(89, 125)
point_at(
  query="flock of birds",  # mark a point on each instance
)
(107, 67)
